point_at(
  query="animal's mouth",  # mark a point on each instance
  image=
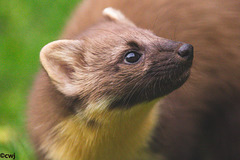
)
(173, 80)
(153, 87)
(161, 82)
(181, 75)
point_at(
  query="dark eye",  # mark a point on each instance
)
(132, 57)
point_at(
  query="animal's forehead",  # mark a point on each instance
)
(113, 29)
(133, 32)
(130, 37)
(111, 35)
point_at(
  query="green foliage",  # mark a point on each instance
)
(25, 27)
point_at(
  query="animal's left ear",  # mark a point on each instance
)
(115, 15)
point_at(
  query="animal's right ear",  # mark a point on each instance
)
(116, 15)
(60, 60)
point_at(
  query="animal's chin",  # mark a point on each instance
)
(168, 85)
(178, 81)
(156, 89)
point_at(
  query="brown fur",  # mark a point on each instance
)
(83, 74)
(201, 119)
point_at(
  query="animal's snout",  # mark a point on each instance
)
(186, 51)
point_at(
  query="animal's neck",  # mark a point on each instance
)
(102, 134)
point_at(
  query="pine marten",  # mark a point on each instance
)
(94, 98)
(99, 92)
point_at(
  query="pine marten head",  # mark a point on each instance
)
(117, 60)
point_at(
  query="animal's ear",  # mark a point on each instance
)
(60, 60)
(116, 15)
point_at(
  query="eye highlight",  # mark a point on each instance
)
(132, 57)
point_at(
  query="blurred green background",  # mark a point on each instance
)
(25, 27)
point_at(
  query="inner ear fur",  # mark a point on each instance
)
(116, 15)
(59, 59)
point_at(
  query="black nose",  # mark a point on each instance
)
(186, 51)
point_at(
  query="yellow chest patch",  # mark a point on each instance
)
(100, 134)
